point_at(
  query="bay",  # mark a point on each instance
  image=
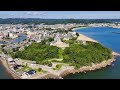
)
(106, 37)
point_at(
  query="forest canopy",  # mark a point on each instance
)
(76, 54)
(83, 55)
(38, 52)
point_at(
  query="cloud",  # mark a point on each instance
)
(42, 13)
(28, 13)
(11, 14)
(34, 13)
(21, 16)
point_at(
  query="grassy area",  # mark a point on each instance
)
(43, 71)
(60, 51)
(40, 70)
(56, 60)
(26, 68)
(22, 69)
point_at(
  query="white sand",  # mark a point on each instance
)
(85, 38)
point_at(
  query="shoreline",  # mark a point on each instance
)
(79, 28)
(5, 65)
(83, 37)
(85, 69)
(94, 66)
(68, 71)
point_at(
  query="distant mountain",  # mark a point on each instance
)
(53, 21)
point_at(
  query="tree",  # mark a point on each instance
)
(77, 34)
(39, 69)
(26, 65)
(2, 46)
(39, 52)
(50, 64)
(83, 55)
(43, 42)
(74, 38)
(66, 31)
(15, 49)
(50, 39)
(62, 39)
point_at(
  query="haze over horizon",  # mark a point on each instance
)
(61, 14)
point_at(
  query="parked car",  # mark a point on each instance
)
(31, 72)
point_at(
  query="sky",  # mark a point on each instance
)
(61, 14)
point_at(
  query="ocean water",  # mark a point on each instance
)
(106, 37)
(3, 73)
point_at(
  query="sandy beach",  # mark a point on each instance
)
(85, 38)
(78, 28)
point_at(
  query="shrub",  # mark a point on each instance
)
(50, 64)
(39, 69)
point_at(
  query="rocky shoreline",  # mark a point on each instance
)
(88, 68)
(83, 69)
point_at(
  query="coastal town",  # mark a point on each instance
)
(32, 33)
(17, 37)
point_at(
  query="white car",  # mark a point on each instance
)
(25, 75)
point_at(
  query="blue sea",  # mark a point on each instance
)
(3, 73)
(110, 38)
(106, 37)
